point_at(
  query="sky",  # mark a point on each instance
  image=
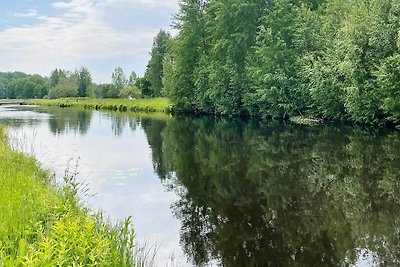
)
(37, 36)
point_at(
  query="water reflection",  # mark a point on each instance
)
(255, 194)
(61, 120)
(249, 193)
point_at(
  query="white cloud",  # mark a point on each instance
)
(81, 35)
(27, 13)
(147, 3)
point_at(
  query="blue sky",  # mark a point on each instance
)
(39, 36)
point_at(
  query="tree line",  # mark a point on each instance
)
(63, 83)
(336, 60)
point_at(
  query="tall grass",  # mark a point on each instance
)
(137, 105)
(42, 225)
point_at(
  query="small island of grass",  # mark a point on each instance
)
(137, 105)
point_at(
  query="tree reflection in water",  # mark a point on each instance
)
(269, 194)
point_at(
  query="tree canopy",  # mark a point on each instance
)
(335, 60)
(154, 70)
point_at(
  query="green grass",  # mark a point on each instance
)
(137, 105)
(43, 225)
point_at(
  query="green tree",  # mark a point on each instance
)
(231, 27)
(2, 90)
(184, 54)
(284, 43)
(130, 92)
(154, 70)
(119, 81)
(14, 84)
(55, 76)
(132, 79)
(389, 84)
(33, 86)
(84, 80)
(66, 87)
(144, 86)
(105, 91)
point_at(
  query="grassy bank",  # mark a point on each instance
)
(138, 105)
(43, 225)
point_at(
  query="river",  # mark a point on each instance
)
(229, 192)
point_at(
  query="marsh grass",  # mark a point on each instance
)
(22, 141)
(136, 105)
(45, 225)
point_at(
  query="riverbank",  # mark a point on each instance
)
(44, 225)
(137, 105)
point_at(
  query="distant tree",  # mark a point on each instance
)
(130, 91)
(106, 90)
(119, 81)
(144, 85)
(154, 71)
(21, 85)
(14, 84)
(96, 91)
(34, 86)
(84, 81)
(2, 90)
(55, 76)
(132, 78)
(66, 87)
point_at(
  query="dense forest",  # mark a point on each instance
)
(336, 60)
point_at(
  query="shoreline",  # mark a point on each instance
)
(136, 105)
(42, 224)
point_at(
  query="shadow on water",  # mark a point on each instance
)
(268, 194)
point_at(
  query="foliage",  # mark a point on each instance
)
(144, 86)
(20, 85)
(130, 92)
(41, 225)
(2, 90)
(84, 80)
(334, 60)
(106, 91)
(119, 81)
(184, 54)
(285, 36)
(62, 83)
(389, 84)
(67, 86)
(55, 76)
(154, 70)
(132, 79)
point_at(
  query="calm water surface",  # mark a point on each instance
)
(229, 192)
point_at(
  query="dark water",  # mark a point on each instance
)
(230, 192)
